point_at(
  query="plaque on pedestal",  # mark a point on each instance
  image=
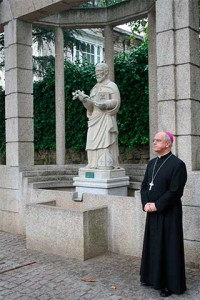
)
(104, 182)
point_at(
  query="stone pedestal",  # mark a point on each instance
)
(104, 182)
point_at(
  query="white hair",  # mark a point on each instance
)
(167, 138)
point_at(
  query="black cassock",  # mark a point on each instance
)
(163, 262)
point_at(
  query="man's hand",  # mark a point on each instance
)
(150, 207)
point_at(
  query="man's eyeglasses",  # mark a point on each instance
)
(157, 141)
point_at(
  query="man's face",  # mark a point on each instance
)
(160, 145)
(100, 74)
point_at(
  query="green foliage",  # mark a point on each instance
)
(44, 111)
(109, 2)
(100, 3)
(139, 27)
(42, 64)
(76, 77)
(131, 76)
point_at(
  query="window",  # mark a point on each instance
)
(98, 54)
(88, 52)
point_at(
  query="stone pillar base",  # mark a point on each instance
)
(104, 182)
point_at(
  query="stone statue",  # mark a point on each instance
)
(102, 106)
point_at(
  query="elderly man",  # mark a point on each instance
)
(102, 106)
(162, 265)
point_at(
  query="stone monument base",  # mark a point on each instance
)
(104, 182)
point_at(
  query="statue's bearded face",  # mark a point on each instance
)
(100, 74)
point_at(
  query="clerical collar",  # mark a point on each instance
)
(165, 155)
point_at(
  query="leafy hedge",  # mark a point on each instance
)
(76, 77)
(131, 76)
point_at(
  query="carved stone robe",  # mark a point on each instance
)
(102, 124)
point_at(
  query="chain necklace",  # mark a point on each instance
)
(151, 184)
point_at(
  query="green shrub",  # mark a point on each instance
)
(131, 76)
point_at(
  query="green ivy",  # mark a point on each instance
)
(131, 76)
(76, 77)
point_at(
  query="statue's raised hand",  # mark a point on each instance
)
(79, 95)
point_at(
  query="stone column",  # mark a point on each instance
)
(60, 96)
(187, 82)
(178, 76)
(109, 50)
(152, 61)
(165, 44)
(18, 90)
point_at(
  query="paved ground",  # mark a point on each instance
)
(28, 275)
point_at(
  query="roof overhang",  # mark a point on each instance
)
(99, 17)
(52, 13)
(32, 10)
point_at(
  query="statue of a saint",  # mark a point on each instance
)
(102, 106)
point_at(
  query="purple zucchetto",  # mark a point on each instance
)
(170, 135)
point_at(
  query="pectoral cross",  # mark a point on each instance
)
(150, 185)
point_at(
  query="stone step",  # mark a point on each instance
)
(135, 170)
(136, 178)
(52, 178)
(73, 169)
(51, 167)
(134, 166)
(134, 185)
(52, 184)
(49, 173)
(69, 183)
(139, 172)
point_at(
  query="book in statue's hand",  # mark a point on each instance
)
(101, 105)
(102, 97)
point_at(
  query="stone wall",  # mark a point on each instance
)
(137, 155)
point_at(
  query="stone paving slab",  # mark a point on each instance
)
(31, 275)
